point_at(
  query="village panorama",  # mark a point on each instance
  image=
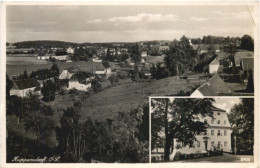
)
(88, 102)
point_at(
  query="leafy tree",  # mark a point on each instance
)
(135, 53)
(36, 117)
(180, 56)
(159, 71)
(247, 43)
(241, 118)
(55, 70)
(105, 63)
(96, 86)
(177, 119)
(250, 85)
(48, 90)
(230, 47)
(113, 79)
(15, 105)
(124, 57)
(9, 85)
(66, 135)
(25, 75)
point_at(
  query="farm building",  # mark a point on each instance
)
(216, 47)
(130, 61)
(43, 56)
(19, 50)
(61, 56)
(215, 66)
(79, 81)
(164, 48)
(96, 59)
(153, 60)
(144, 54)
(215, 86)
(99, 68)
(22, 88)
(68, 72)
(70, 50)
(242, 54)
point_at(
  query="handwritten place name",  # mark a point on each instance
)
(18, 159)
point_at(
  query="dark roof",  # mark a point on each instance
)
(41, 54)
(42, 74)
(243, 54)
(204, 46)
(195, 46)
(80, 76)
(60, 53)
(216, 46)
(26, 83)
(73, 69)
(217, 109)
(214, 87)
(99, 66)
(247, 63)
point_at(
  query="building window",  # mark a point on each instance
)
(218, 132)
(212, 132)
(225, 144)
(198, 144)
(212, 144)
(205, 133)
(218, 113)
(225, 121)
(218, 121)
(219, 143)
(205, 121)
(225, 133)
(212, 121)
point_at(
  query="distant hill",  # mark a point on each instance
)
(44, 43)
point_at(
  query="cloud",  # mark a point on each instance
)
(95, 21)
(144, 17)
(199, 19)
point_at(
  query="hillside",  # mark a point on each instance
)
(124, 97)
(44, 43)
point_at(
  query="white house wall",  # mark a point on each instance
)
(24, 92)
(213, 68)
(196, 93)
(78, 86)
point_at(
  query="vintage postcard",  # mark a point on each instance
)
(133, 83)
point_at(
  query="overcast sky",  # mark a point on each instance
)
(125, 23)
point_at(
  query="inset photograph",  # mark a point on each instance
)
(202, 130)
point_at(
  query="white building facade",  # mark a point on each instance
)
(217, 137)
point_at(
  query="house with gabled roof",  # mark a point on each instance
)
(242, 54)
(61, 56)
(22, 88)
(68, 72)
(215, 86)
(43, 56)
(79, 81)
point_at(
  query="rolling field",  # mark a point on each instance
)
(17, 65)
(124, 97)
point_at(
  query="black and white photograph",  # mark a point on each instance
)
(79, 78)
(202, 130)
